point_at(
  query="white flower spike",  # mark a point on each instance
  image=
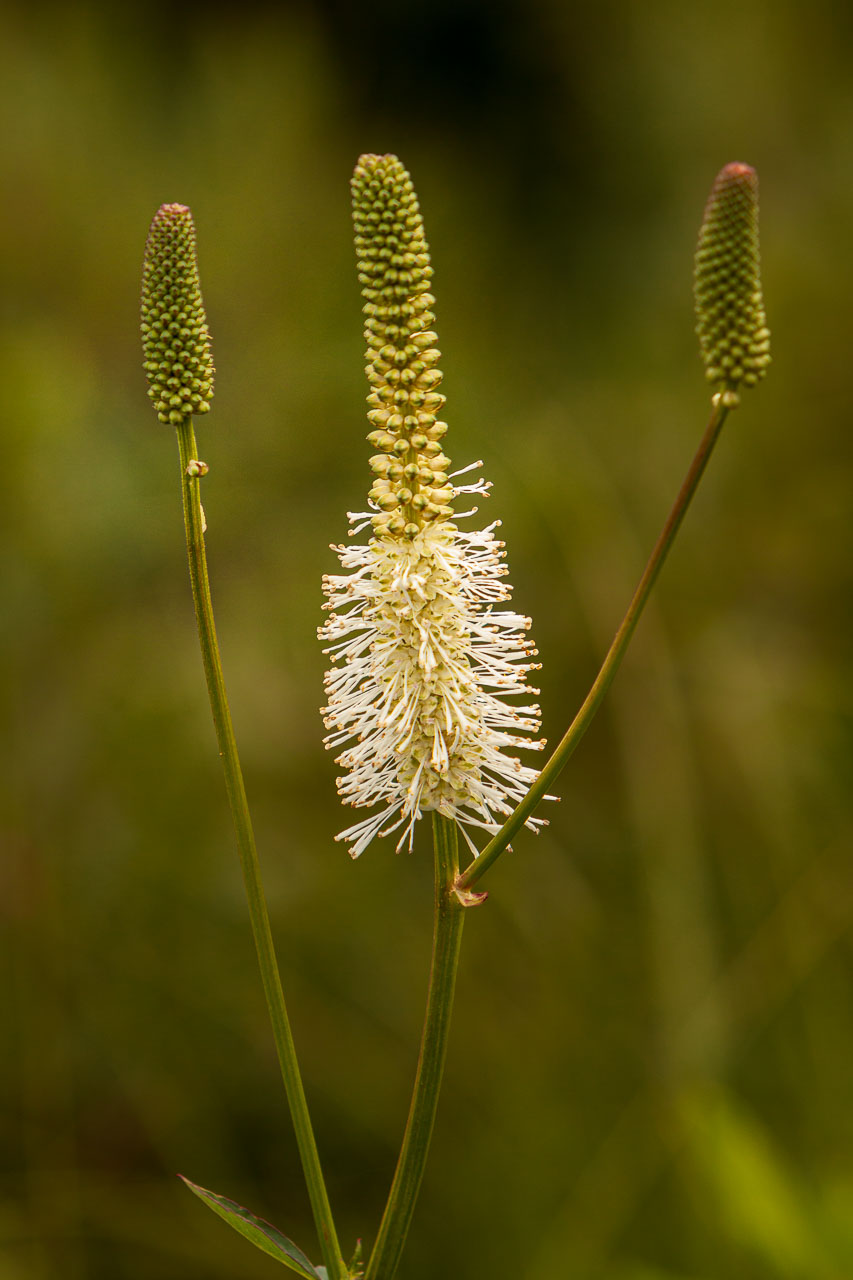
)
(424, 659)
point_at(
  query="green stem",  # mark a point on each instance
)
(447, 937)
(493, 850)
(249, 858)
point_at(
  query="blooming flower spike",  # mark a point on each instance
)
(175, 337)
(732, 329)
(426, 660)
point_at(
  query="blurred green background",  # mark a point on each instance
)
(649, 1076)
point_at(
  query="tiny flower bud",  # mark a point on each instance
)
(175, 337)
(731, 325)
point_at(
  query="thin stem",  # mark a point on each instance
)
(493, 850)
(249, 857)
(447, 937)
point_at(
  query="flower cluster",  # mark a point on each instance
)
(175, 337)
(425, 660)
(731, 324)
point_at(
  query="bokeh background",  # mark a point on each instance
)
(649, 1076)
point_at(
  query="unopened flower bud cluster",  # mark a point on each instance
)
(410, 486)
(175, 337)
(731, 324)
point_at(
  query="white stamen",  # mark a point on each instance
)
(424, 665)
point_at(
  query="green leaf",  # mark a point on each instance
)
(260, 1233)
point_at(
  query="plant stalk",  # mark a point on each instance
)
(249, 858)
(493, 850)
(447, 937)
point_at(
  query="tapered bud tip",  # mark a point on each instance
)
(371, 161)
(175, 338)
(731, 324)
(737, 170)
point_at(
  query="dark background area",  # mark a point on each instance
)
(649, 1075)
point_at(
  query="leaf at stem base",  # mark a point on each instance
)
(261, 1234)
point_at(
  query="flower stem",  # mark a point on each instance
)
(493, 850)
(249, 857)
(447, 937)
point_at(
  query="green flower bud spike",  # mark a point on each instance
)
(410, 484)
(175, 337)
(731, 325)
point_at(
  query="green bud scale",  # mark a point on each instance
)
(733, 334)
(175, 336)
(394, 269)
